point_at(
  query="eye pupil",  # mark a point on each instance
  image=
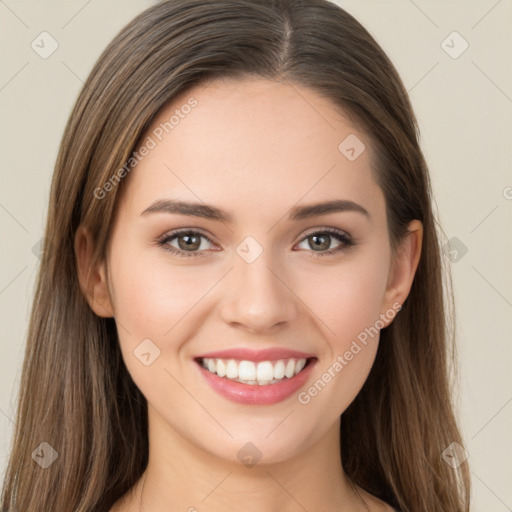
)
(325, 245)
(193, 242)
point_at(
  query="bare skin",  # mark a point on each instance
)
(256, 149)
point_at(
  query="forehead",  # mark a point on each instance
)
(254, 143)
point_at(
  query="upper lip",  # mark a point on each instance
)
(245, 354)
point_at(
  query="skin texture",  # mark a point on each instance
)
(255, 148)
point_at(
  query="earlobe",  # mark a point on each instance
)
(93, 281)
(404, 266)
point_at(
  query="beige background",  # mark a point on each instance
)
(464, 107)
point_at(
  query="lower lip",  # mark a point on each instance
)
(254, 394)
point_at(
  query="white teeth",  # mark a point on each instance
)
(265, 371)
(290, 369)
(246, 371)
(300, 364)
(249, 372)
(221, 368)
(279, 370)
(231, 369)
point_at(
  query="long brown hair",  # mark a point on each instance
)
(76, 393)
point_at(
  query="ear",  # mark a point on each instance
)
(403, 268)
(93, 281)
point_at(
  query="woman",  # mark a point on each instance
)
(240, 301)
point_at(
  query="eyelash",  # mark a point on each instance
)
(346, 240)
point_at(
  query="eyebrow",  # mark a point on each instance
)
(213, 213)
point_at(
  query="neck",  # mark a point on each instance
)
(180, 476)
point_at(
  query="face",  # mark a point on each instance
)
(249, 267)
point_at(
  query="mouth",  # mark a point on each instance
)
(255, 373)
(256, 379)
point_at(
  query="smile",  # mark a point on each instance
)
(256, 378)
(259, 373)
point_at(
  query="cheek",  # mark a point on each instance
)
(349, 306)
(348, 298)
(155, 301)
(151, 297)
(159, 300)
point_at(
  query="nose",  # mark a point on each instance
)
(258, 298)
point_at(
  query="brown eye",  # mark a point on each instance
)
(322, 241)
(319, 242)
(189, 242)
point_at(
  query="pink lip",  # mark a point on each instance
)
(244, 354)
(249, 394)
